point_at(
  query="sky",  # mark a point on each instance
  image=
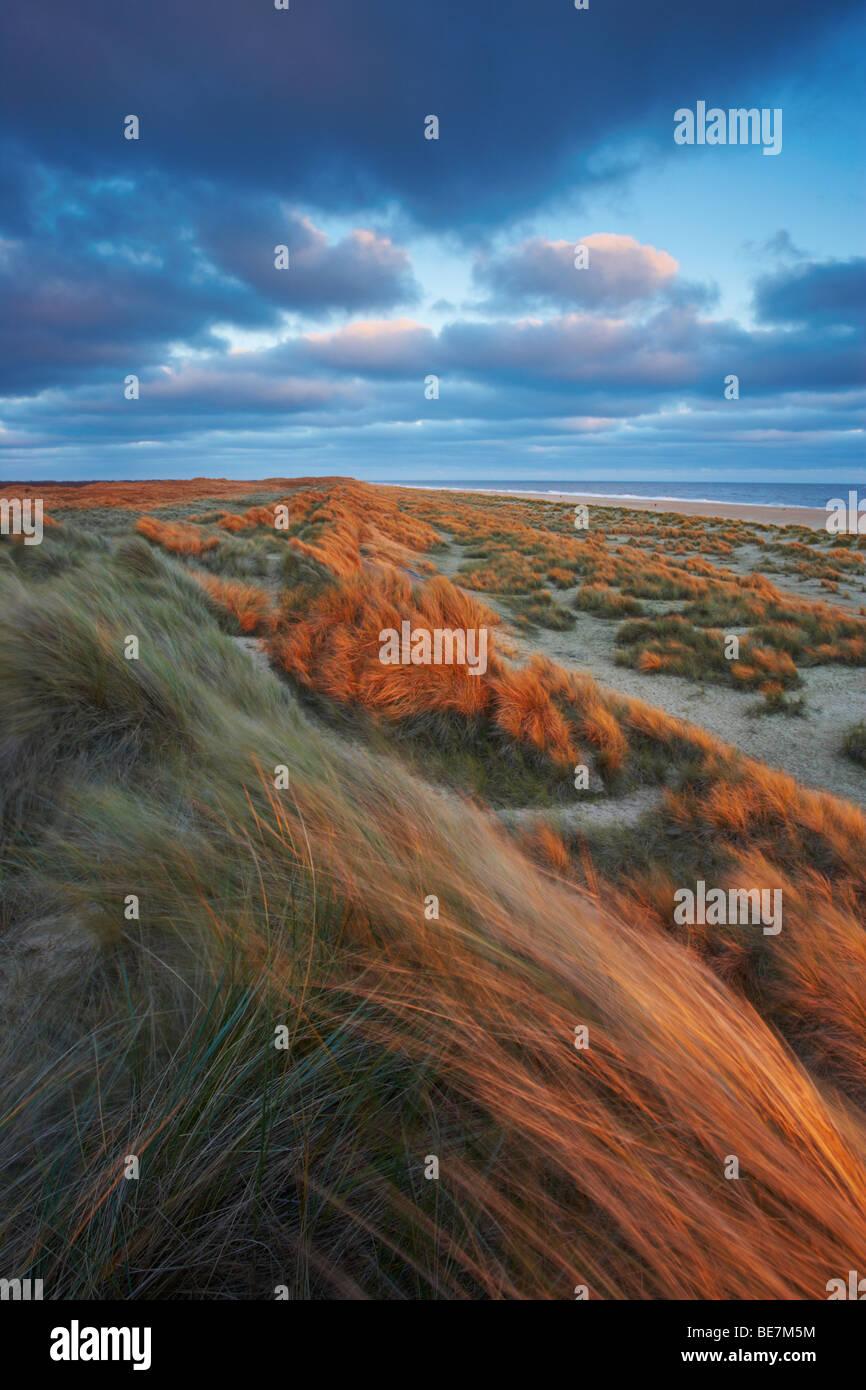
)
(436, 321)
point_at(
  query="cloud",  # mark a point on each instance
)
(664, 352)
(323, 105)
(543, 381)
(106, 278)
(236, 386)
(832, 292)
(362, 271)
(64, 318)
(397, 346)
(603, 270)
(158, 259)
(782, 247)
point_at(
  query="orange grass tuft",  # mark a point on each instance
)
(249, 605)
(175, 536)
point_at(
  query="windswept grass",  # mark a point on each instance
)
(248, 606)
(169, 908)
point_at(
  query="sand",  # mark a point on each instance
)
(810, 749)
(815, 517)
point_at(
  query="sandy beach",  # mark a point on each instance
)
(814, 517)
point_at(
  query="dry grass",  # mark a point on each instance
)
(174, 536)
(248, 605)
(410, 1035)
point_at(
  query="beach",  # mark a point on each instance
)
(814, 517)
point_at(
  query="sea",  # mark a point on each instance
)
(761, 494)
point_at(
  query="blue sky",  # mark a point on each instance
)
(411, 257)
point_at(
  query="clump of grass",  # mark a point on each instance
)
(814, 634)
(175, 536)
(512, 573)
(541, 609)
(560, 578)
(136, 557)
(607, 602)
(524, 709)
(243, 559)
(776, 702)
(671, 643)
(854, 745)
(248, 607)
(62, 549)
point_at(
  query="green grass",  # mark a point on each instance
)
(854, 745)
(698, 652)
(541, 609)
(140, 777)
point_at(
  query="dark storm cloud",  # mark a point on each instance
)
(324, 103)
(363, 270)
(106, 275)
(124, 257)
(99, 279)
(61, 323)
(832, 292)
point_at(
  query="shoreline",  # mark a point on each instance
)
(814, 517)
